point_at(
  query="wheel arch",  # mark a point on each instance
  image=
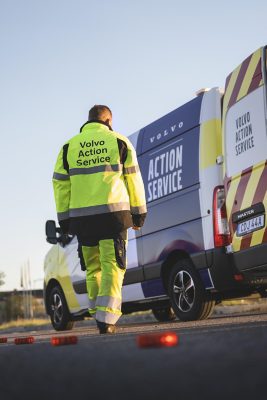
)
(200, 302)
(171, 260)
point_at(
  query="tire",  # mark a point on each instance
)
(58, 310)
(189, 299)
(164, 314)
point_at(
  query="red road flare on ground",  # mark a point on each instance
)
(24, 340)
(167, 339)
(63, 340)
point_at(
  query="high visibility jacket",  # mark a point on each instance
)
(97, 184)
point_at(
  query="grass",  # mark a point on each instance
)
(24, 322)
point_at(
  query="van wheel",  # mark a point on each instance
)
(164, 314)
(189, 299)
(58, 310)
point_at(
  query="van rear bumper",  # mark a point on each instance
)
(224, 268)
(253, 258)
(252, 263)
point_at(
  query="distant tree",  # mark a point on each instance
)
(14, 306)
(2, 277)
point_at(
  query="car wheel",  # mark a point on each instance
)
(164, 314)
(189, 299)
(58, 310)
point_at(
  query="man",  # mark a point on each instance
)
(99, 194)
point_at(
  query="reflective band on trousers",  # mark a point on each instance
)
(108, 301)
(138, 210)
(131, 170)
(63, 215)
(60, 177)
(107, 317)
(101, 209)
(94, 170)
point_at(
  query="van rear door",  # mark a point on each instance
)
(245, 154)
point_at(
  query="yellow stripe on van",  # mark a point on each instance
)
(235, 243)
(230, 89)
(231, 193)
(230, 198)
(252, 185)
(249, 74)
(248, 197)
(210, 143)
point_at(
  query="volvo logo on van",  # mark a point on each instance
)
(167, 132)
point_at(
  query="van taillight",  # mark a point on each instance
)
(220, 224)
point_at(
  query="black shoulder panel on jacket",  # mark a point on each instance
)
(123, 150)
(65, 159)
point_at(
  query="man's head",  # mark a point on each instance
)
(100, 113)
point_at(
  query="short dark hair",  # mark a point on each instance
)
(99, 112)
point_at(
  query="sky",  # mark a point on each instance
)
(142, 58)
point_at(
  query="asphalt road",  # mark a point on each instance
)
(221, 358)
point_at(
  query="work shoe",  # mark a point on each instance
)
(105, 328)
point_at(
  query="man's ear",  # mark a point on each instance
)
(109, 122)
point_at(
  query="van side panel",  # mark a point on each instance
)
(186, 237)
(170, 168)
(171, 178)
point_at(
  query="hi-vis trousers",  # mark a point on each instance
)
(105, 264)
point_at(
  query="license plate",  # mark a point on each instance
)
(251, 225)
